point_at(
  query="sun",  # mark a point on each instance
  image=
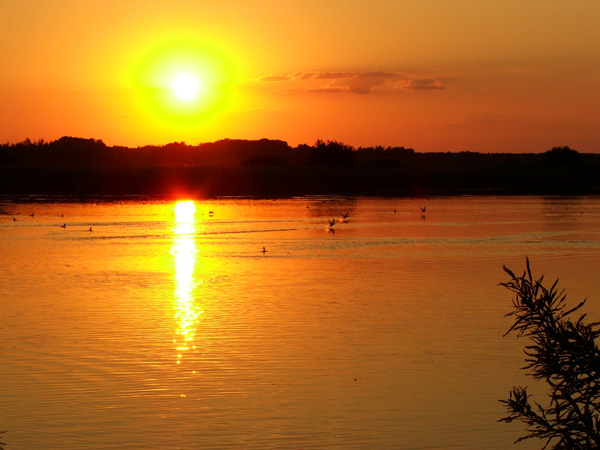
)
(185, 87)
(180, 83)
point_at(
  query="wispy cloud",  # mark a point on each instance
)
(275, 78)
(333, 75)
(328, 90)
(424, 84)
(361, 83)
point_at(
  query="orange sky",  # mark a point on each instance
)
(436, 75)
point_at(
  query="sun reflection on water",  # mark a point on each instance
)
(184, 253)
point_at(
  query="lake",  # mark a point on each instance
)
(163, 324)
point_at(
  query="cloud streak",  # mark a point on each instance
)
(275, 78)
(360, 83)
(424, 84)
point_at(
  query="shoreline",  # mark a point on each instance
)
(108, 198)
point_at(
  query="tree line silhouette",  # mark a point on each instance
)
(78, 166)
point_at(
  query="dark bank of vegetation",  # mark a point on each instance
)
(272, 168)
(563, 354)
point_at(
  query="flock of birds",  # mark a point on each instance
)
(344, 216)
(332, 222)
(64, 225)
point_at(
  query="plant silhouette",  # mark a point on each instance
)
(563, 353)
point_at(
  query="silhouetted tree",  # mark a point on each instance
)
(562, 155)
(332, 153)
(564, 354)
(384, 157)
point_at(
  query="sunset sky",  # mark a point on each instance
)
(437, 75)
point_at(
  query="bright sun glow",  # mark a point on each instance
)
(182, 83)
(185, 87)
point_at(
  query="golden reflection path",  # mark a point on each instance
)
(184, 253)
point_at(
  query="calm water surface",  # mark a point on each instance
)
(167, 327)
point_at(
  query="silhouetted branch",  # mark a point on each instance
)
(564, 354)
